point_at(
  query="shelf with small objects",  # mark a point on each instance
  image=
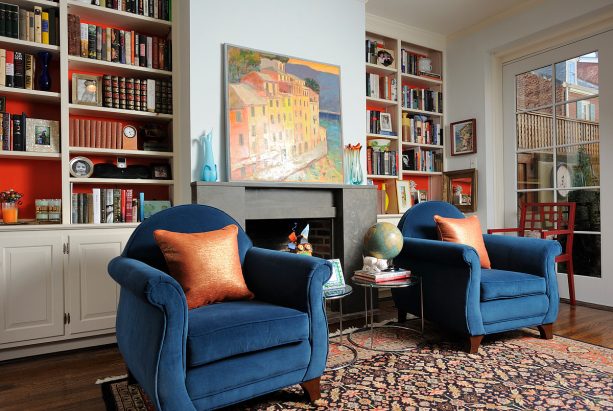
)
(405, 123)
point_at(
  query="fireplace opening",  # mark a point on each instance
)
(273, 234)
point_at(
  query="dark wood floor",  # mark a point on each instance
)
(66, 381)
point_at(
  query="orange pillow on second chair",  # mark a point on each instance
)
(464, 231)
(207, 265)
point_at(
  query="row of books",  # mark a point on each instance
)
(13, 131)
(150, 95)
(421, 129)
(374, 123)
(17, 69)
(158, 9)
(409, 64)
(37, 25)
(95, 133)
(372, 46)
(20, 133)
(117, 46)
(416, 159)
(422, 99)
(381, 87)
(381, 276)
(381, 163)
(113, 205)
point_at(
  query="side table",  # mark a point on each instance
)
(370, 325)
(339, 295)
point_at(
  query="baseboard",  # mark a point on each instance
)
(53, 347)
(589, 305)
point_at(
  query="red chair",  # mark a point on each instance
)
(549, 220)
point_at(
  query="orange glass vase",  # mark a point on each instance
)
(9, 213)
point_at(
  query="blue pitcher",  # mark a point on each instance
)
(209, 168)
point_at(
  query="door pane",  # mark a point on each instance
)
(587, 214)
(535, 170)
(533, 88)
(586, 255)
(534, 129)
(579, 164)
(578, 122)
(577, 77)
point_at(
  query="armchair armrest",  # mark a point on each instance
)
(294, 281)
(152, 331)
(451, 275)
(504, 230)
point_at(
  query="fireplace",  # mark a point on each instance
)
(339, 216)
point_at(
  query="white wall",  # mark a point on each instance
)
(473, 84)
(321, 30)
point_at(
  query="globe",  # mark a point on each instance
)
(383, 241)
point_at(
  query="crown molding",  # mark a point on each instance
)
(396, 29)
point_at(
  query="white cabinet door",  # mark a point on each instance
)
(31, 286)
(93, 293)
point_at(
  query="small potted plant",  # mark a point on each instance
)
(10, 200)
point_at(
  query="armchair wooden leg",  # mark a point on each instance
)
(546, 331)
(402, 316)
(474, 342)
(312, 389)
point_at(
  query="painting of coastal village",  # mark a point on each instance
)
(283, 118)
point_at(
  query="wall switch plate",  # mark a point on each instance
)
(473, 163)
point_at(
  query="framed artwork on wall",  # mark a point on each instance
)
(283, 118)
(463, 137)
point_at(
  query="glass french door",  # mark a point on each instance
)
(558, 148)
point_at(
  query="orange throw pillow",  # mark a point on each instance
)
(464, 231)
(207, 265)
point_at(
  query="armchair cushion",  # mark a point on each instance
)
(227, 329)
(499, 284)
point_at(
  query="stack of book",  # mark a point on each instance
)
(37, 25)
(117, 46)
(420, 129)
(381, 276)
(382, 163)
(150, 95)
(381, 86)
(95, 133)
(157, 9)
(17, 69)
(422, 99)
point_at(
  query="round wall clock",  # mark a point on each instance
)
(563, 180)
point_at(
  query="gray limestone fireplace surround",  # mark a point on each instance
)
(352, 210)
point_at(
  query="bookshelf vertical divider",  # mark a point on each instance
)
(64, 113)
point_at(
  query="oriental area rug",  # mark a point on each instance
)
(512, 371)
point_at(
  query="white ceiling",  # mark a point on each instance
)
(440, 16)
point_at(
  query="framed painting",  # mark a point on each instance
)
(463, 137)
(283, 118)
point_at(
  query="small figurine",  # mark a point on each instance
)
(299, 244)
(374, 265)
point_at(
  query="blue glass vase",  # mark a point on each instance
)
(209, 168)
(44, 79)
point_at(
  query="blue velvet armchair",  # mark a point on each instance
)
(520, 290)
(224, 353)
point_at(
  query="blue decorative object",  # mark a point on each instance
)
(212, 356)
(44, 79)
(209, 168)
(520, 290)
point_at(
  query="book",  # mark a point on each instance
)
(84, 39)
(19, 70)
(38, 30)
(53, 26)
(91, 41)
(2, 67)
(14, 16)
(109, 205)
(10, 68)
(31, 26)
(3, 14)
(44, 27)
(23, 17)
(19, 126)
(382, 276)
(30, 71)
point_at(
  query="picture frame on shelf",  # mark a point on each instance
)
(81, 167)
(86, 89)
(42, 136)
(160, 171)
(337, 280)
(460, 189)
(385, 57)
(463, 136)
(403, 196)
(386, 122)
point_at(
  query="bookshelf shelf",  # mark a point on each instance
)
(372, 135)
(381, 177)
(116, 113)
(427, 113)
(425, 146)
(380, 102)
(106, 225)
(26, 46)
(127, 153)
(118, 18)
(121, 181)
(45, 4)
(421, 80)
(389, 215)
(31, 95)
(422, 173)
(380, 70)
(117, 69)
(30, 155)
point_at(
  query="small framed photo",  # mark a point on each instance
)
(463, 137)
(422, 196)
(337, 280)
(81, 167)
(86, 89)
(160, 171)
(385, 57)
(386, 122)
(42, 136)
(403, 195)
